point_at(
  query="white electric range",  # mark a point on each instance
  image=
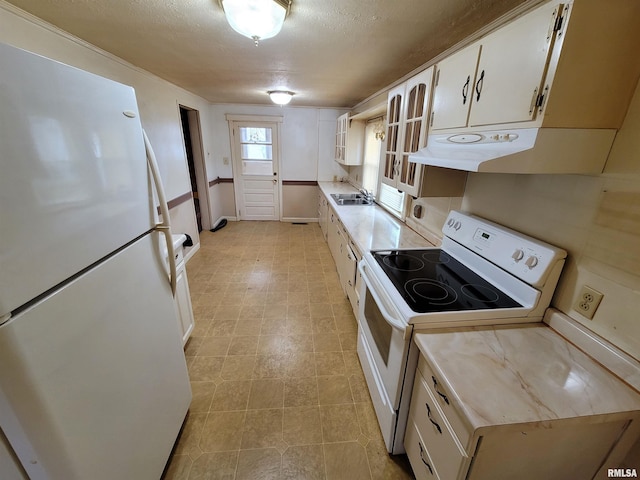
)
(483, 274)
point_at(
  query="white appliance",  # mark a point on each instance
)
(93, 379)
(519, 150)
(483, 274)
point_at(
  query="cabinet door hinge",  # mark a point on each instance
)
(437, 78)
(557, 21)
(541, 98)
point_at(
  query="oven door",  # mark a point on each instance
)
(383, 347)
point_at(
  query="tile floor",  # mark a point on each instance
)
(278, 391)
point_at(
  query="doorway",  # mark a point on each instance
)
(255, 169)
(191, 132)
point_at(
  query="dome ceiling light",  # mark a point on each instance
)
(280, 97)
(256, 19)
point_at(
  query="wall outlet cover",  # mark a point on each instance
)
(587, 301)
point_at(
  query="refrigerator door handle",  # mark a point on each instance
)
(163, 227)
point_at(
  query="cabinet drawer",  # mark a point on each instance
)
(419, 458)
(444, 400)
(443, 446)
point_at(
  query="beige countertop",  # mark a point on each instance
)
(522, 375)
(370, 226)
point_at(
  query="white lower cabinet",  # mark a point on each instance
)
(182, 302)
(353, 279)
(323, 213)
(418, 456)
(448, 457)
(441, 443)
(345, 255)
(333, 235)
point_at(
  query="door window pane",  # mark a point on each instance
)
(256, 152)
(255, 135)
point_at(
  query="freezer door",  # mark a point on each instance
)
(93, 379)
(74, 184)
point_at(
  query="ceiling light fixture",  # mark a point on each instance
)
(256, 19)
(280, 97)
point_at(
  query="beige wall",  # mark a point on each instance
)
(595, 218)
(158, 100)
(299, 203)
(223, 203)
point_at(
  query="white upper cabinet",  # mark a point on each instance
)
(341, 137)
(349, 140)
(570, 64)
(497, 79)
(455, 80)
(511, 69)
(395, 102)
(407, 118)
(414, 117)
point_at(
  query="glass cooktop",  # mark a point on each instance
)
(432, 281)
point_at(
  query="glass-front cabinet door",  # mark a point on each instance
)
(407, 115)
(394, 132)
(414, 116)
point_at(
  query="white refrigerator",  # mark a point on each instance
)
(93, 379)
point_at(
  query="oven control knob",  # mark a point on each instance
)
(457, 225)
(518, 255)
(450, 222)
(531, 261)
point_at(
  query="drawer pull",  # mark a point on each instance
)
(432, 420)
(435, 385)
(423, 460)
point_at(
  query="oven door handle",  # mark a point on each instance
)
(394, 322)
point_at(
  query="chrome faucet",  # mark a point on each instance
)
(367, 194)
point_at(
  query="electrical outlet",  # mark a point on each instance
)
(225, 160)
(587, 302)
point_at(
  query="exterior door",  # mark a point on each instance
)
(255, 154)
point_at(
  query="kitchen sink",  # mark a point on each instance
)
(346, 196)
(354, 201)
(351, 199)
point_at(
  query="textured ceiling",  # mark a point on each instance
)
(332, 53)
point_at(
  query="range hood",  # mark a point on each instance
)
(519, 150)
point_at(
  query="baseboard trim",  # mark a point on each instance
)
(223, 217)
